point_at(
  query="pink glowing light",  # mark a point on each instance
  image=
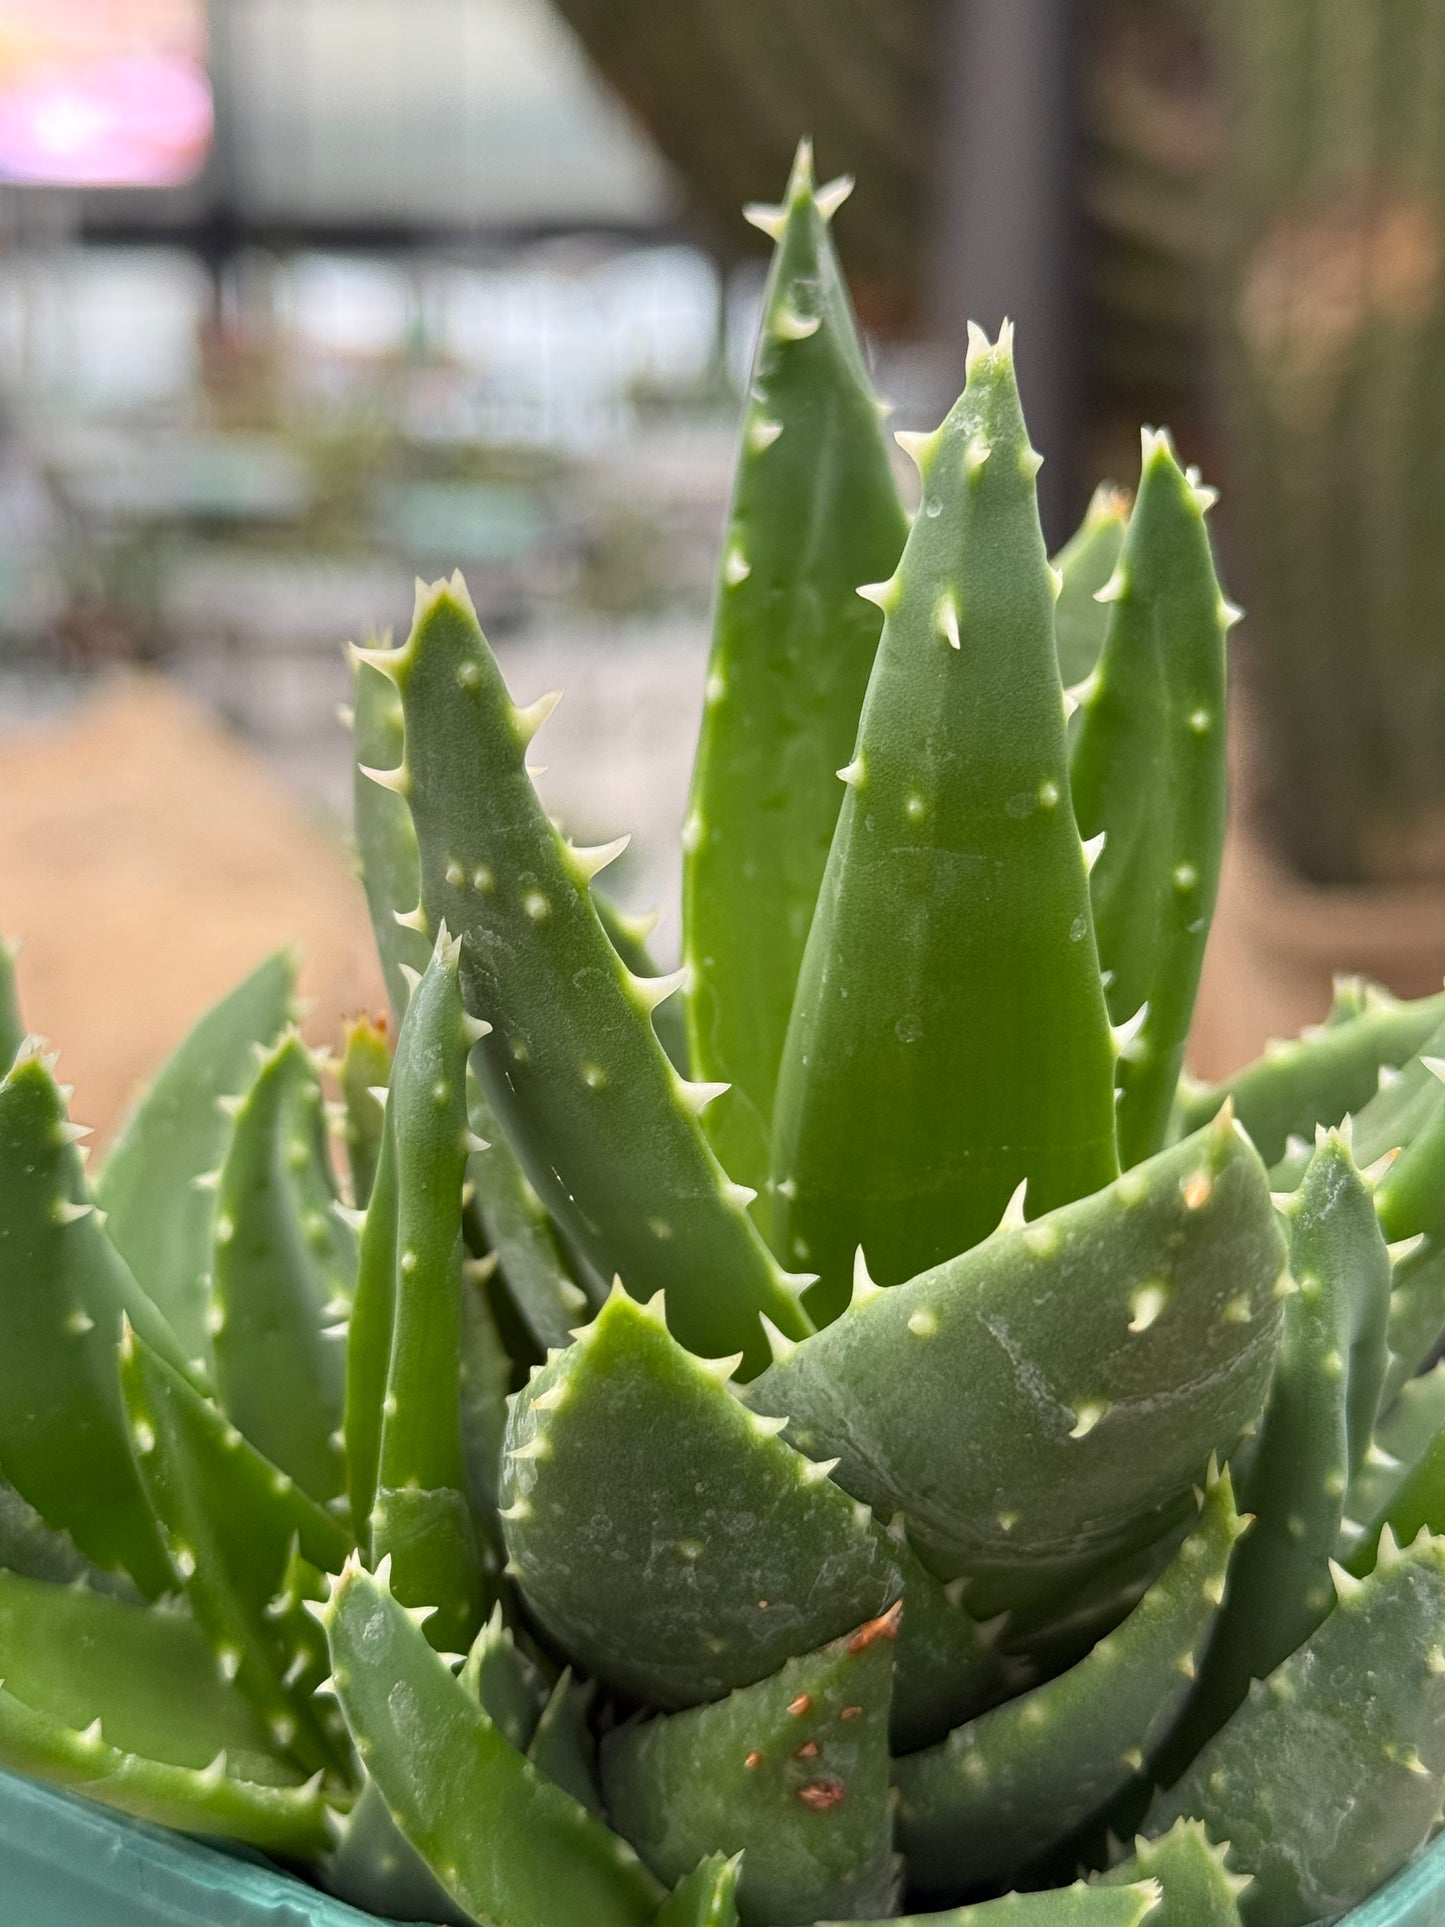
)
(103, 93)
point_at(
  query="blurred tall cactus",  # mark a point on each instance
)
(1331, 223)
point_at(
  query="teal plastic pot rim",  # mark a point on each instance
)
(65, 1862)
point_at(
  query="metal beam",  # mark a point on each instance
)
(1008, 215)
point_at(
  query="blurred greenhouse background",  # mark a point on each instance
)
(302, 298)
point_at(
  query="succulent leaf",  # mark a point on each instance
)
(572, 1069)
(505, 1683)
(1416, 1504)
(1331, 1773)
(752, 1553)
(506, 1204)
(1403, 1104)
(420, 1513)
(1076, 1906)
(1409, 1195)
(279, 1817)
(791, 1772)
(1408, 1199)
(439, 1763)
(230, 1519)
(160, 1218)
(282, 1272)
(486, 1382)
(1086, 563)
(706, 1898)
(1401, 1439)
(1329, 1072)
(1313, 1436)
(374, 1867)
(1002, 1791)
(385, 839)
(815, 512)
(628, 936)
(35, 1550)
(518, 1229)
(76, 1656)
(1417, 1312)
(1148, 774)
(562, 1744)
(12, 1023)
(368, 1342)
(1196, 1887)
(365, 1068)
(949, 1036)
(63, 1438)
(1107, 1350)
(392, 870)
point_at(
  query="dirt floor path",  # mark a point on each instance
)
(149, 859)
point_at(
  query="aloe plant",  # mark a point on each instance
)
(870, 1448)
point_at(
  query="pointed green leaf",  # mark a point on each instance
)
(1410, 1201)
(1193, 1874)
(1417, 1311)
(1314, 1434)
(127, 1706)
(518, 1230)
(280, 1818)
(365, 1067)
(1107, 1350)
(368, 1342)
(815, 512)
(1002, 1791)
(706, 1898)
(1076, 1906)
(563, 1746)
(230, 1519)
(791, 1772)
(1410, 1198)
(385, 839)
(751, 1552)
(1404, 1102)
(628, 936)
(279, 1375)
(1149, 776)
(486, 1381)
(420, 1514)
(1086, 563)
(439, 1763)
(37, 1551)
(504, 1683)
(1332, 1070)
(64, 1290)
(374, 1867)
(160, 1217)
(949, 1036)
(509, 1209)
(1331, 1774)
(597, 1116)
(149, 1677)
(1402, 1437)
(1416, 1504)
(12, 1023)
